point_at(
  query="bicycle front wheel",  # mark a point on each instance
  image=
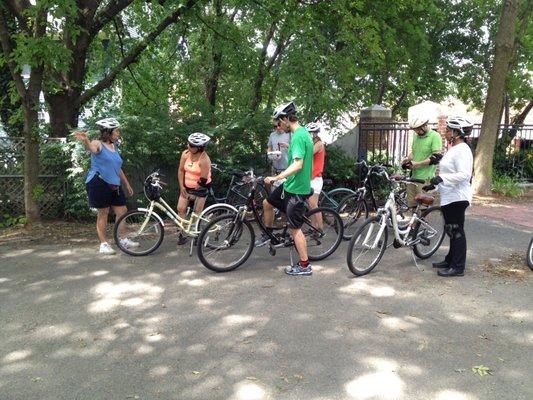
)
(138, 233)
(225, 243)
(431, 233)
(530, 255)
(323, 232)
(367, 247)
(353, 211)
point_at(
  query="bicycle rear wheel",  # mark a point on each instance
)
(138, 233)
(212, 212)
(333, 198)
(353, 211)
(323, 231)
(225, 243)
(362, 258)
(432, 234)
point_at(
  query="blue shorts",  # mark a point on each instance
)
(101, 195)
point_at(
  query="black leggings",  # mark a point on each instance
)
(454, 222)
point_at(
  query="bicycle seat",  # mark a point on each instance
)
(425, 199)
(328, 182)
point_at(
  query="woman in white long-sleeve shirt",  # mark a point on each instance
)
(455, 173)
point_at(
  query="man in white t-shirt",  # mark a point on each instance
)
(279, 140)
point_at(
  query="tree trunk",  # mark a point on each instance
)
(63, 113)
(493, 105)
(31, 165)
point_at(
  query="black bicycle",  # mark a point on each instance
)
(226, 242)
(355, 208)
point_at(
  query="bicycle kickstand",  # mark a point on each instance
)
(191, 246)
(416, 263)
(290, 255)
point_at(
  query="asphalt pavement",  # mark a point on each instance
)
(77, 325)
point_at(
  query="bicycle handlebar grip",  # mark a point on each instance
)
(415, 180)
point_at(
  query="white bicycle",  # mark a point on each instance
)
(423, 232)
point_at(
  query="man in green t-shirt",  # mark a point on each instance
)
(292, 195)
(425, 154)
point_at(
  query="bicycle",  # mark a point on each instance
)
(529, 255)
(355, 206)
(226, 242)
(145, 226)
(238, 188)
(333, 198)
(423, 234)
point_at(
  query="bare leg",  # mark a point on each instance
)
(199, 204)
(300, 243)
(183, 202)
(101, 223)
(119, 211)
(317, 218)
(268, 214)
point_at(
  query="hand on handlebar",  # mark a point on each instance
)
(432, 183)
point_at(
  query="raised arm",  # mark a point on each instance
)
(94, 146)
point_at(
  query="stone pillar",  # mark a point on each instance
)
(370, 139)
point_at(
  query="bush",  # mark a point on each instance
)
(340, 168)
(506, 185)
(7, 220)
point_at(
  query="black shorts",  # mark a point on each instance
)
(200, 192)
(293, 205)
(102, 196)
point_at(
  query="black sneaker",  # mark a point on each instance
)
(181, 240)
(264, 239)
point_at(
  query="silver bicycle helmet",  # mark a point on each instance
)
(313, 127)
(284, 110)
(461, 125)
(198, 139)
(108, 123)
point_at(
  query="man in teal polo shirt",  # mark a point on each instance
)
(426, 153)
(292, 195)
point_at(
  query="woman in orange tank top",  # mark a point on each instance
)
(194, 176)
(319, 158)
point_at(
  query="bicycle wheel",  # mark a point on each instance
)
(530, 255)
(433, 234)
(333, 198)
(362, 258)
(142, 229)
(323, 231)
(212, 212)
(353, 211)
(225, 243)
(401, 202)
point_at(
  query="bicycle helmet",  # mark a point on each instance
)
(461, 125)
(313, 127)
(284, 110)
(108, 123)
(417, 122)
(198, 139)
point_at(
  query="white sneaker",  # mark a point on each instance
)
(127, 243)
(105, 248)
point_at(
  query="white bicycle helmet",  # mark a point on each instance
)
(460, 124)
(284, 110)
(108, 123)
(313, 127)
(417, 122)
(198, 139)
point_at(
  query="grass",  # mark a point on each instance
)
(506, 186)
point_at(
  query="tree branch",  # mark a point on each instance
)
(17, 10)
(8, 50)
(133, 54)
(108, 13)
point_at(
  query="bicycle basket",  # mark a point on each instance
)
(151, 191)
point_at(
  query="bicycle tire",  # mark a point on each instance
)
(212, 212)
(420, 249)
(356, 241)
(529, 256)
(351, 209)
(261, 193)
(155, 229)
(334, 197)
(208, 242)
(332, 229)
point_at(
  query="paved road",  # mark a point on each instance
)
(74, 325)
